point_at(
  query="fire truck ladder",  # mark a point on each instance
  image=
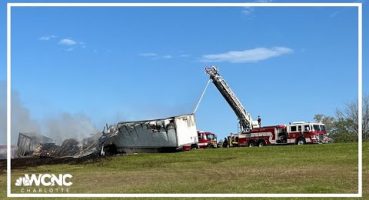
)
(244, 117)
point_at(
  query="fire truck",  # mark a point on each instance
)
(206, 140)
(252, 134)
(294, 133)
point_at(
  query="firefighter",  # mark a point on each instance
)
(259, 121)
(225, 143)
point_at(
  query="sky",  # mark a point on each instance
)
(117, 64)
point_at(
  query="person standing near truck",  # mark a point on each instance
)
(225, 142)
(259, 121)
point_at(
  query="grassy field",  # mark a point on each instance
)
(330, 168)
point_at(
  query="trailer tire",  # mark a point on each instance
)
(251, 144)
(261, 143)
(301, 141)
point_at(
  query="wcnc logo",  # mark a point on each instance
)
(44, 180)
(52, 182)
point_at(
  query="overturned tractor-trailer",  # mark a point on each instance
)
(157, 135)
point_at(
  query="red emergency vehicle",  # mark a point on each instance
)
(294, 133)
(206, 139)
(252, 133)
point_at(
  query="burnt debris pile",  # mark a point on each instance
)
(35, 145)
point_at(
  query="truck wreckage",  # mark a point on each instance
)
(35, 145)
(157, 135)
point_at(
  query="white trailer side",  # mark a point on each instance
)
(154, 135)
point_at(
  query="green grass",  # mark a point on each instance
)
(330, 168)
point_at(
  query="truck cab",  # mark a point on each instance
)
(305, 132)
(206, 139)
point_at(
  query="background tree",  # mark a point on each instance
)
(344, 126)
(327, 120)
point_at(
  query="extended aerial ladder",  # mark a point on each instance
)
(245, 119)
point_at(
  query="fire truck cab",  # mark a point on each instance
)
(302, 132)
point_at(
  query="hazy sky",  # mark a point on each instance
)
(114, 64)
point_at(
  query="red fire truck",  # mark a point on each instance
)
(252, 134)
(294, 133)
(206, 139)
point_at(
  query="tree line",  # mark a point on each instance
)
(343, 127)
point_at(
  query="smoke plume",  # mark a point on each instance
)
(65, 125)
(21, 120)
(59, 127)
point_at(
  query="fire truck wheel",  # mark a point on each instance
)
(301, 141)
(251, 144)
(261, 143)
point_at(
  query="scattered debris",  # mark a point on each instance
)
(68, 148)
(27, 143)
(33, 145)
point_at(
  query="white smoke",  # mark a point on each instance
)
(21, 120)
(59, 127)
(65, 125)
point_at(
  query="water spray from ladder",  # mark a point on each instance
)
(201, 97)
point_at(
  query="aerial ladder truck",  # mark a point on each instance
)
(251, 134)
(246, 124)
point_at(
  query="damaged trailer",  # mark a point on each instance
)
(157, 135)
(28, 142)
(40, 146)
